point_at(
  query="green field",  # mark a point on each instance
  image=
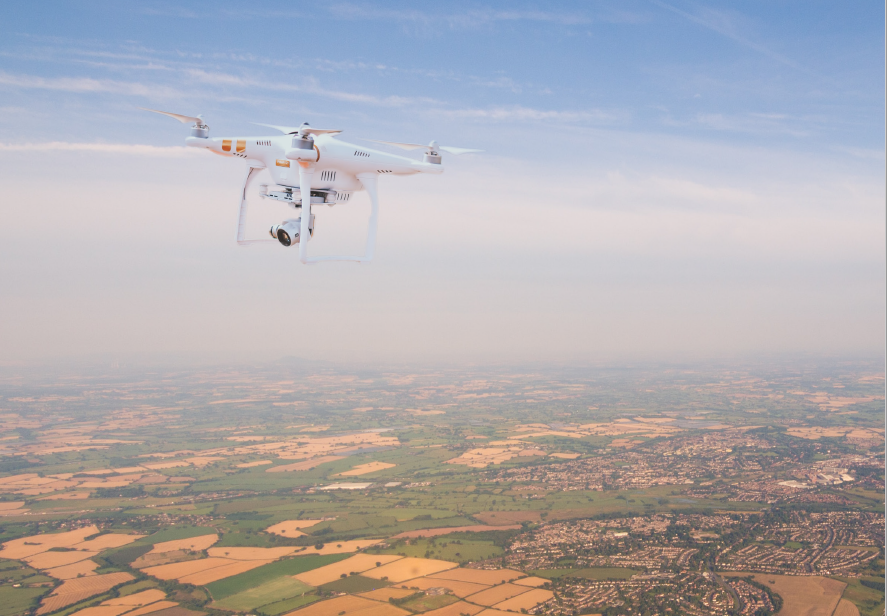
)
(127, 555)
(260, 575)
(353, 584)
(238, 538)
(287, 605)
(454, 551)
(426, 604)
(868, 494)
(17, 601)
(278, 589)
(12, 572)
(868, 601)
(179, 532)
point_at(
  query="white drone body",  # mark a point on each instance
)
(312, 167)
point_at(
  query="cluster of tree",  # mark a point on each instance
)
(407, 599)
(125, 492)
(8, 464)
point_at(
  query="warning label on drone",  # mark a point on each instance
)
(283, 163)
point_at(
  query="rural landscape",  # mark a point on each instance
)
(286, 489)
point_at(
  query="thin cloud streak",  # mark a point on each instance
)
(724, 29)
(864, 153)
(310, 87)
(135, 149)
(519, 113)
(749, 123)
(87, 85)
(469, 19)
(151, 60)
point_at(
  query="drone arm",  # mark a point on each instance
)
(241, 220)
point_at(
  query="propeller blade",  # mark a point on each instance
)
(432, 145)
(322, 131)
(453, 150)
(286, 130)
(292, 130)
(181, 118)
(402, 146)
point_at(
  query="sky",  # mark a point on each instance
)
(660, 181)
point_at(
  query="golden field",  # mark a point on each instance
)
(291, 528)
(409, 568)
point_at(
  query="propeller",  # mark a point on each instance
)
(302, 130)
(198, 121)
(432, 148)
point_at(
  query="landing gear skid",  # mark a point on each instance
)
(241, 218)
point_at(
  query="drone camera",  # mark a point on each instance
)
(287, 232)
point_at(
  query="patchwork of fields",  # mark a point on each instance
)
(442, 494)
(268, 579)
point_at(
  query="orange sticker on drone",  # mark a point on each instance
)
(283, 163)
(241, 145)
(226, 145)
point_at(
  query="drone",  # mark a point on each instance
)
(309, 167)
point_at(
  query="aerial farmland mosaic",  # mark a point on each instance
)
(284, 489)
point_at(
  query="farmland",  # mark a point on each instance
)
(243, 491)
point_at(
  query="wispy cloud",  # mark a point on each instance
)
(308, 85)
(521, 114)
(464, 19)
(350, 11)
(723, 24)
(168, 10)
(133, 58)
(86, 85)
(133, 149)
(751, 123)
(467, 19)
(864, 153)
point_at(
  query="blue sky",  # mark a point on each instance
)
(713, 174)
(804, 74)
